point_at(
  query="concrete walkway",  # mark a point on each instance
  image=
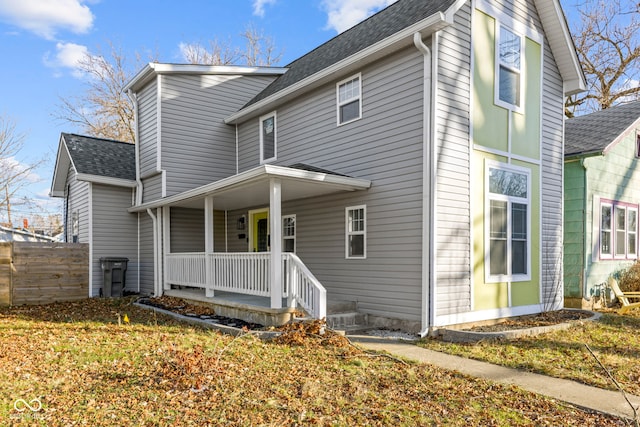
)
(609, 402)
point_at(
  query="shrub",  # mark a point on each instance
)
(629, 279)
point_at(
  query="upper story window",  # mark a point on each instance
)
(508, 69)
(349, 100)
(508, 238)
(618, 230)
(268, 137)
(356, 233)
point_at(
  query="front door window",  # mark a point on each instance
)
(259, 231)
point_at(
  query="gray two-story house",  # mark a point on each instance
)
(411, 166)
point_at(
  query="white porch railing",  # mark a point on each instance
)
(302, 286)
(248, 273)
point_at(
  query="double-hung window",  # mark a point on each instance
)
(349, 94)
(508, 69)
(508, 233)
(618, 230)
(268, 147)
(289, 233)
(356, 232)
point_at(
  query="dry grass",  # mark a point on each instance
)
(86, 369)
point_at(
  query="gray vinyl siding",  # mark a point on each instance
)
(152, 188)
(115, 232)
(146, 254)
(187, 230)
(385, 146)
(237, 239)
(552, 181)
(78, 200)
(453, 240)
(147, 128)
(197, 147)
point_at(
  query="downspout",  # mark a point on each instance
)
(585, 291)
(427, 191)
(156, 279)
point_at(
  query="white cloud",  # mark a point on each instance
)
(344, 14)
(68, 55)
(15, 167)
(258, 6)
(46, 17)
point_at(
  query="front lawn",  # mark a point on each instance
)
(614, 340)
(75, 364)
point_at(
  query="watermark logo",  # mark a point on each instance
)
(28, 409)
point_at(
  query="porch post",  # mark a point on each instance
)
(275, 218)
(166, 244)
(208, 244)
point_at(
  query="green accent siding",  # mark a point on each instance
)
(525, 139)
(489, 121)
(574, 213)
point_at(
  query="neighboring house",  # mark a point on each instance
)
(17, 235)
(404, 165)
(602, 178)
(97, 179)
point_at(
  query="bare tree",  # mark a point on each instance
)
(14, 174)
(212, 52)
(103, 110)
(260, 50)
(608, 44)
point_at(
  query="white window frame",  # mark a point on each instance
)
(513, 107)
(340, 104)
(289, 237)
(349, 232)
(275, 137)
(617, 206)
(510, 200)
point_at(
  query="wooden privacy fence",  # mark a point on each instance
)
(43, 272)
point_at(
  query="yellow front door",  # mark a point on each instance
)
(260, 231)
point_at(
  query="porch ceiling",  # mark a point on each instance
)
(251, 188)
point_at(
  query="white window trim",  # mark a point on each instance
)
(503, 278)
(615, 205)
(340, 104)
(496, 78)
(295, 232)
(275, 137)
(347, 233)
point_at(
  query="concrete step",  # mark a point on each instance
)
(348, 320)
(334, 307)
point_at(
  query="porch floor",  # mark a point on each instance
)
(197, 294)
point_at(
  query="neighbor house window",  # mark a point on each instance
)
(349, 100)
(509, 219)
(268, 137)
(75, 226)
(356, 232)
(508, 68)
(289, 233)
(618, 230)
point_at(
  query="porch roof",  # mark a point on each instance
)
(251, 188)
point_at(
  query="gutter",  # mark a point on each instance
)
(428, 189)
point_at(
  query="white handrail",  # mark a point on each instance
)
(303, 287)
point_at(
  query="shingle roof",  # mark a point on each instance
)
(102, 157)
(383, 24)
(592, 133)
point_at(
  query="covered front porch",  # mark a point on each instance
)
(243, 264)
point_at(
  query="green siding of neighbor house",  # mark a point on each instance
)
(613, 176)
(574, 211)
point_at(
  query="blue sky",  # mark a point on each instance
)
(42, 40)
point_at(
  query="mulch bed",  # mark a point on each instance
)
(547, 318)
(180, 306)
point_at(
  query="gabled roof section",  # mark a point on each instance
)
(381, 33)
(94, 160)
(597, 133)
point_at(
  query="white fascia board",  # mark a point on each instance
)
(61, 169)
(254, 175)
(117, 182)
(153, 68)
(428, 25)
